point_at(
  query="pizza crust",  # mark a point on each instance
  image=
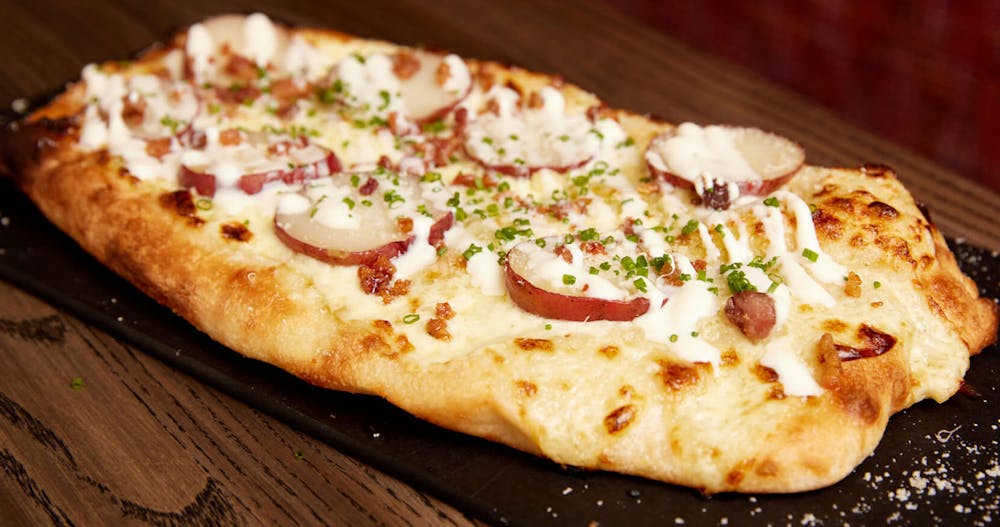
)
(602, 399)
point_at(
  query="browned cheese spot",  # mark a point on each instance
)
(620, 418)
(526, 388)
(776, 392)
(609, 351)
(527, 344)
(182, 203)
(235, 231)
(676, 376)
(882, 211)
(852, 286)
(834, 325)
(765, 374)
(730, 358)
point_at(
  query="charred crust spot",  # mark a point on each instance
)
(526, 388)
(609, 351)
(875, 343)
(676, 376)
(403, 344)
(626, 391)
(734, 477)
(620, 418)
(528, 344)
(828, 224)
(876, 170)
(181, 203)
(776, 393)
(377, 344)
(235, 231)
(882, 210)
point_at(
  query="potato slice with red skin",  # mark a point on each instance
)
(227, 36)
(354, 233)
(772, 160)
(424, 90)
(551, 304)
(289, 161)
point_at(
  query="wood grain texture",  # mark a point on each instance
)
(134, 442)
(140, 443)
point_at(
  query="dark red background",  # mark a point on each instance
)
(923, 73)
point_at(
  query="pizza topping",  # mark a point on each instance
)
(875, 343)
(227, 161)
(334, 222)
(793, 373)
(721, 162)
(410, 84)
(752, 312)
(541, 281)
(519, 141)
(211, 47)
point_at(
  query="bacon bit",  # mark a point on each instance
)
(231, 137)
(158, 147)
(237, 94)
(717, 196)
(852, 287)
(288, 89)
(284, 147)
(236, 231)
(438, 328)
(562, 252)
(399, 125)
(619, 419)
(600, 111)
(535, 100)
(376, 279)
(133, 110)
(403, 344)
(484, 78)
(527, 344)
(593, 247)
(699, 265)
(673, 278)
(526, 388)
(752, 312)
(288, 111)
(442, 74)
(445, 148)
(493, 107)
(649, 188)
(730, 358)
(369, 187)
(609, 351)
(182, 203)
(461, 120)
(444, 311)
(242, 68)
(404, 224)
(469, 180)
(561, 210)
(405, 64)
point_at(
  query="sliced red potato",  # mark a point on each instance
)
(257, 159)
(211, 44)
(338, 224)
(715, 157)
(155, 108)
(431, 84)
(541, 281)
(519, 141)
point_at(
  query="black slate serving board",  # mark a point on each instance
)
(937, 463)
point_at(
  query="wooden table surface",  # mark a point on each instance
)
(172, 450)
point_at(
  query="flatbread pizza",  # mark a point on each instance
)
(497, 252)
